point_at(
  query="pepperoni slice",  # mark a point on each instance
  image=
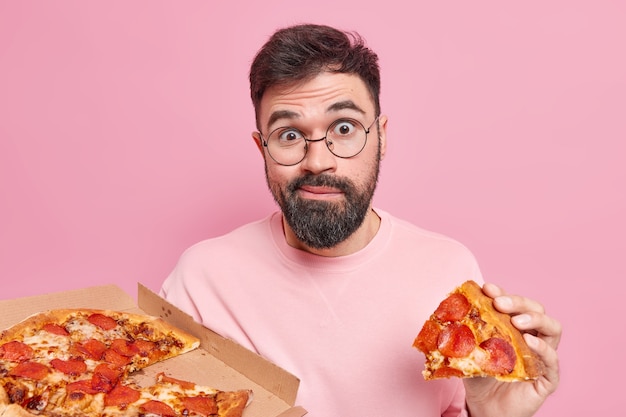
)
(55, 329)
(111, 356)
(203, 405)
(91, 349)
(456, 341)
(102, 321)
(30, 370)
(453, 308)
(77, 389)
(105, 378)
(144, 347)
(124, 347)
(72, 367)
(121, 396)
(161, 377)
(158, 408)
(502, 356)
(16, 351)
(426, 340)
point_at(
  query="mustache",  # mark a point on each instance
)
(321, 180)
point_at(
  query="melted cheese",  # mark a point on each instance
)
(48, 346)
(469, 365)
(82, 327)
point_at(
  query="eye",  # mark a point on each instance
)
(287, 135)
(343, 127)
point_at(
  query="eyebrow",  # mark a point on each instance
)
(346, 104)
(335, 107)
(282, 114)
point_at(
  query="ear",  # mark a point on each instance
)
(256, 136)
(382, 133)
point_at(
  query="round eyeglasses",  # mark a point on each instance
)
(344, 138)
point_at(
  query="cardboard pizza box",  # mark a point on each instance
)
(219, 362)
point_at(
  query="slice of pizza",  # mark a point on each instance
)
(188, 397)
(467, 337)
(174, 397)
(131, 340)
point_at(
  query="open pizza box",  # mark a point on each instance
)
(219, 362)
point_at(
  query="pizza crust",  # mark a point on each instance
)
(232, 404)
(528, 365)
(14, 410)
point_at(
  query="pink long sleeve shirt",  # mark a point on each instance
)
(343, 325)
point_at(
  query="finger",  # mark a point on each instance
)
(492, 290)
(511, 304)
(540, 325)
(548, 355)
(515, 304)
(527, 315)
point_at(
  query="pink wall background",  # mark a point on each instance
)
(125, 137)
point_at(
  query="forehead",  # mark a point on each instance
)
(322, 96)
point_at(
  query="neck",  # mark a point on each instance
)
(357, 241)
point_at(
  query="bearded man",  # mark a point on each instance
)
(331, 288)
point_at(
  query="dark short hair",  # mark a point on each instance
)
(301, 52)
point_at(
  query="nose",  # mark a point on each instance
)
(318, 157)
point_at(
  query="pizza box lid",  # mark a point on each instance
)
(219, 362)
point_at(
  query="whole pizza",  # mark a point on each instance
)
(77, 362)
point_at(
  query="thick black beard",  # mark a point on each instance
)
(323, 224)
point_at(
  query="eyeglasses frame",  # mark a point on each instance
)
(306, 140)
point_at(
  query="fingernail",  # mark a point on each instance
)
(521, 319)
(505, 302)
(531, 340)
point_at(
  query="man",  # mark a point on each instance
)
(330, 288)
